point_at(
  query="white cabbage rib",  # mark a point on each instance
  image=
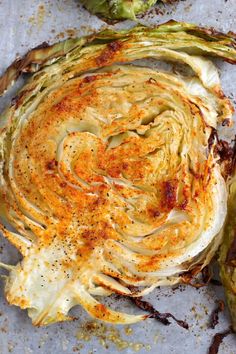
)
(108, 179)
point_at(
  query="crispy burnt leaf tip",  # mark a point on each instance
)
(217, 340)
(35, 59)
(177, 36)
(200, 277)
(214, 319)
(161, 317)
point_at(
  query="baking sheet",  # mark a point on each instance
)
(23, 25)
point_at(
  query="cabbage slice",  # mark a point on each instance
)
(109, 176)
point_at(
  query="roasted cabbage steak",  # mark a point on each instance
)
(109, 177)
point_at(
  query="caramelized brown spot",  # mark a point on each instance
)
(224, 150)
(151, 81)
(154, 213)
(108, 53)
(51, 165)
(226, 122)
(90, 78)
(169, 194)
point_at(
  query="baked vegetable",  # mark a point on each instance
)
(109, 176)
(227, 258)
(118, 9)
